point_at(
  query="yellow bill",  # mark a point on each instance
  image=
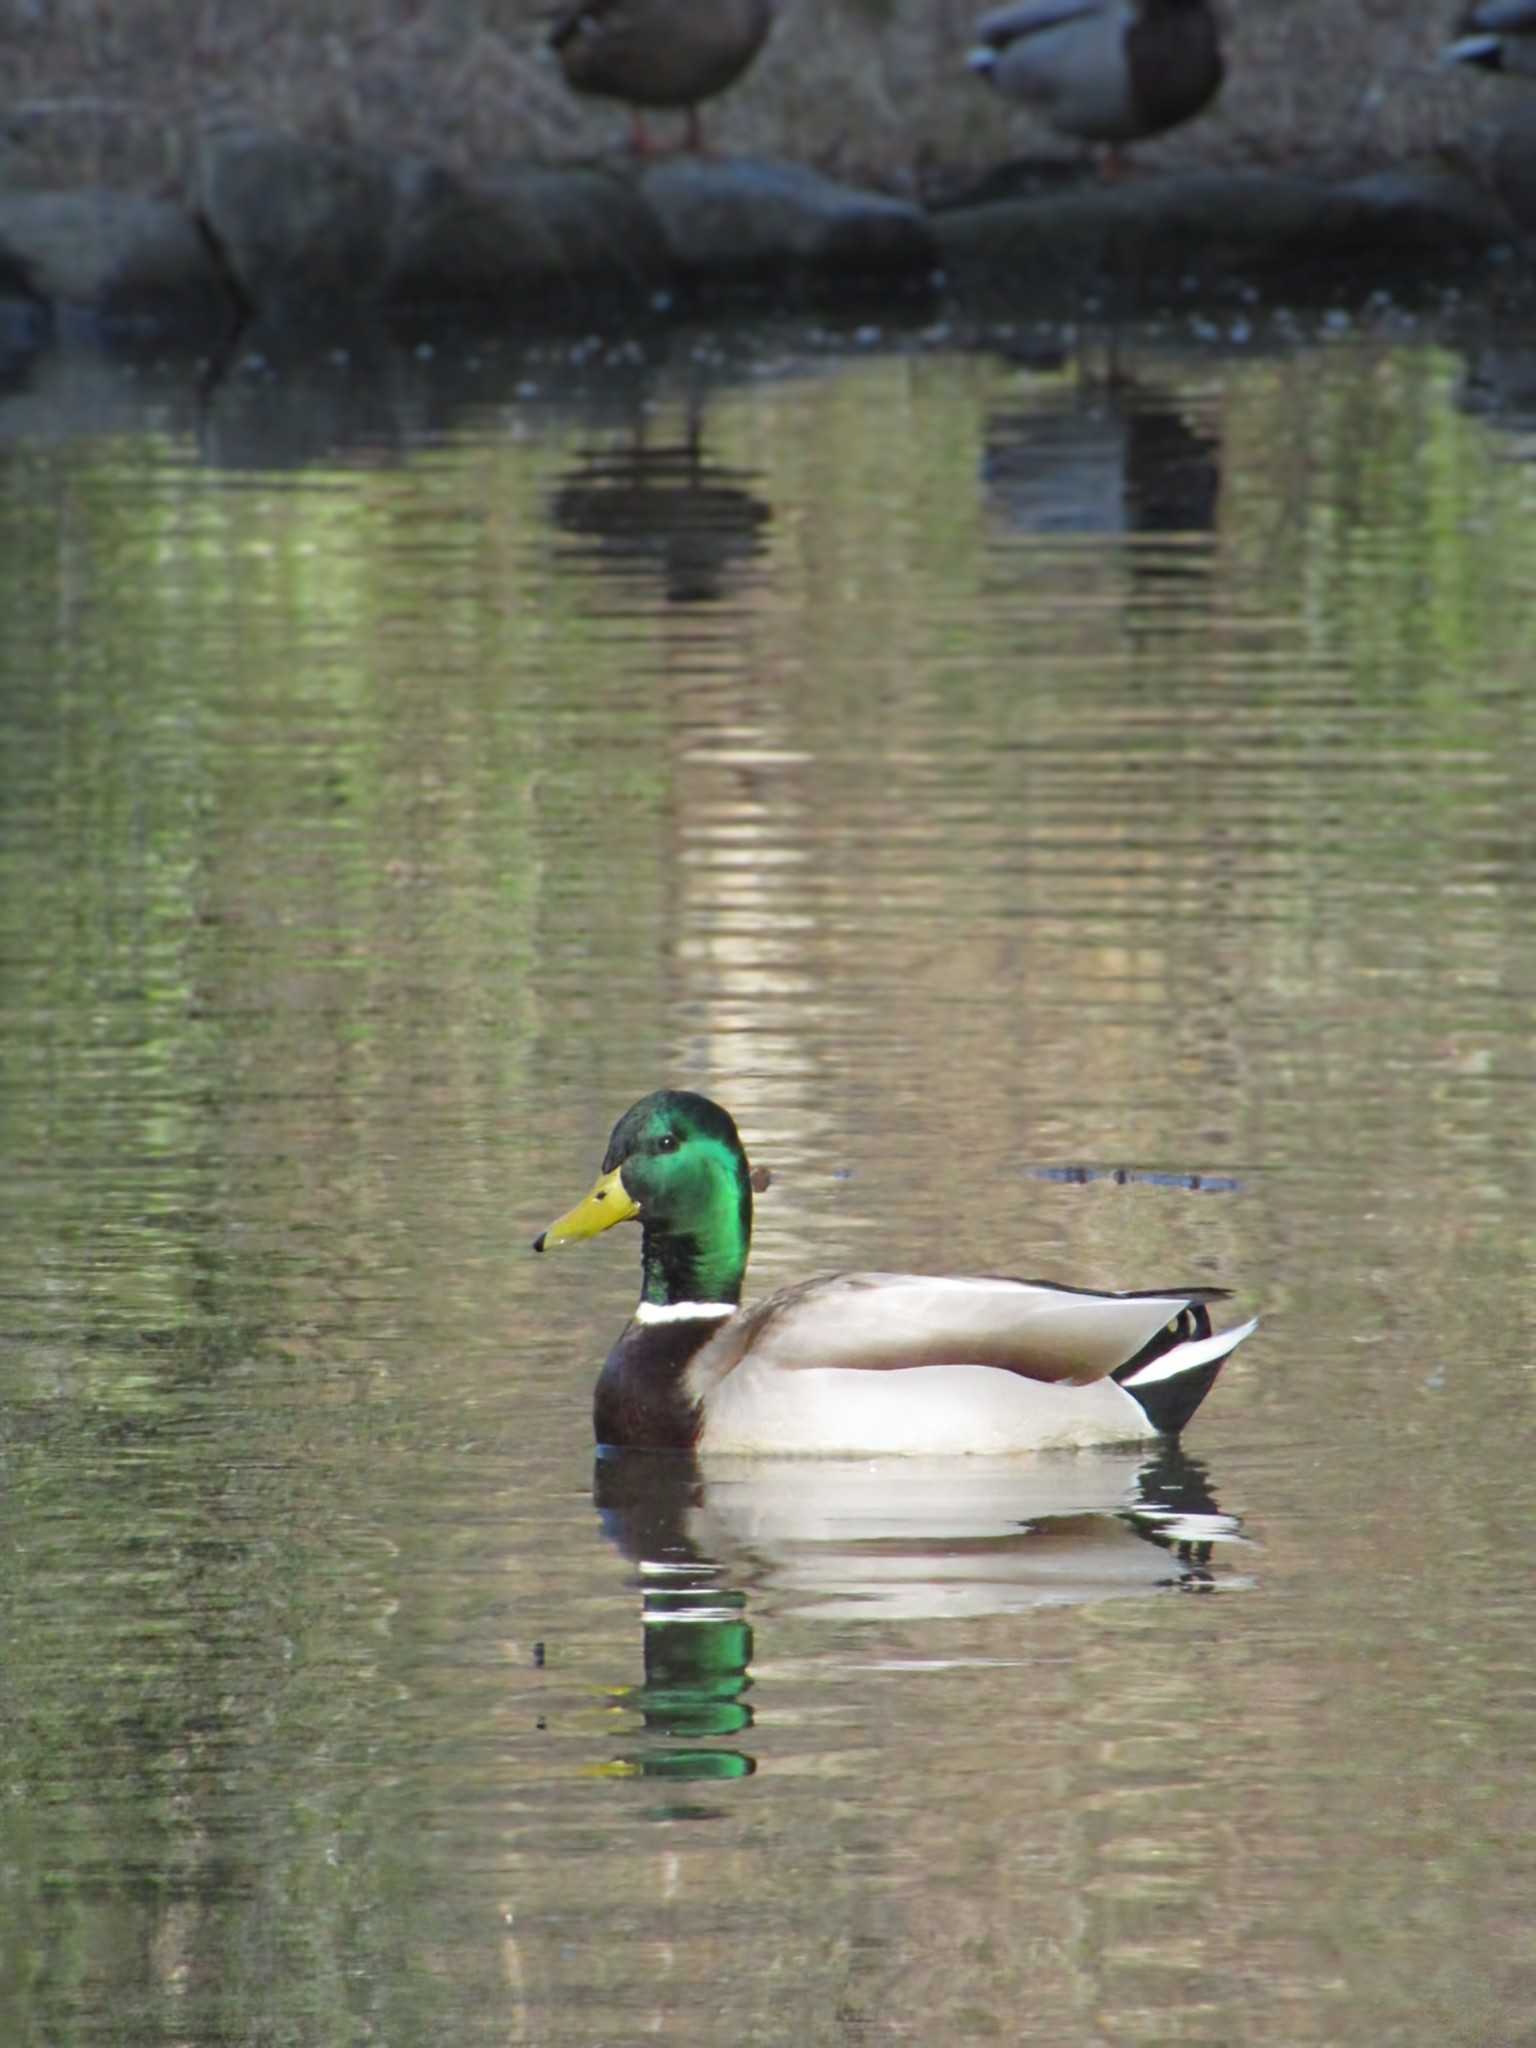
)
(610, 1202)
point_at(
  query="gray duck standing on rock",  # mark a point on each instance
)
(659, 53)
(1111, 71)
(1499, 35)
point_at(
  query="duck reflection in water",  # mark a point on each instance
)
(906, 1539)
(1498, 384)
(661, 509)
(1112, 455)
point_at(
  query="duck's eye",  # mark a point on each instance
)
(667, 1143)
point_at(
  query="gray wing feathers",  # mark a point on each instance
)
(887, 1321)
(1004, 25)
(1494, 15)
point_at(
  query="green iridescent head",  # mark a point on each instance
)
(674, 1163)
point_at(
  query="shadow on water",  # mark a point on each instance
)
(905, 1539)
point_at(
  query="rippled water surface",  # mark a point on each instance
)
(1072, 799)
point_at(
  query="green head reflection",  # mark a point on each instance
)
(695, 1638)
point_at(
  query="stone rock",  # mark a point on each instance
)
(314, 234)
(113, 263)
(26, 328)
(753, 220)
(530, 238)
(1513, 169)
(319, 236)
(1432, 213)
(300, 237)
(1162, 236)
(307, 231)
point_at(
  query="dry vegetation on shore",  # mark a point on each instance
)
(102, 93)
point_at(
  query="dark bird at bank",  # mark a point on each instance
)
(1496, 35)
(1103, 71)
(659, 53)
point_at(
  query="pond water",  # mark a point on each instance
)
(1071, 797)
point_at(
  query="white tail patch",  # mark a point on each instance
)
(1190, 1357)
(1474, 49)
(1179, 1525)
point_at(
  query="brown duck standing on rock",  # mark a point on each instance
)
(1111, 71)
(660, 53)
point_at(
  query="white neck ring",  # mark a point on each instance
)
(683, 1311)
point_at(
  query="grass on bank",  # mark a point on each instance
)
(101, 93)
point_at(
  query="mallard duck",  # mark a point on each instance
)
(659, 53)
(1110, 71)
(859, 1364)
(1500, 35)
